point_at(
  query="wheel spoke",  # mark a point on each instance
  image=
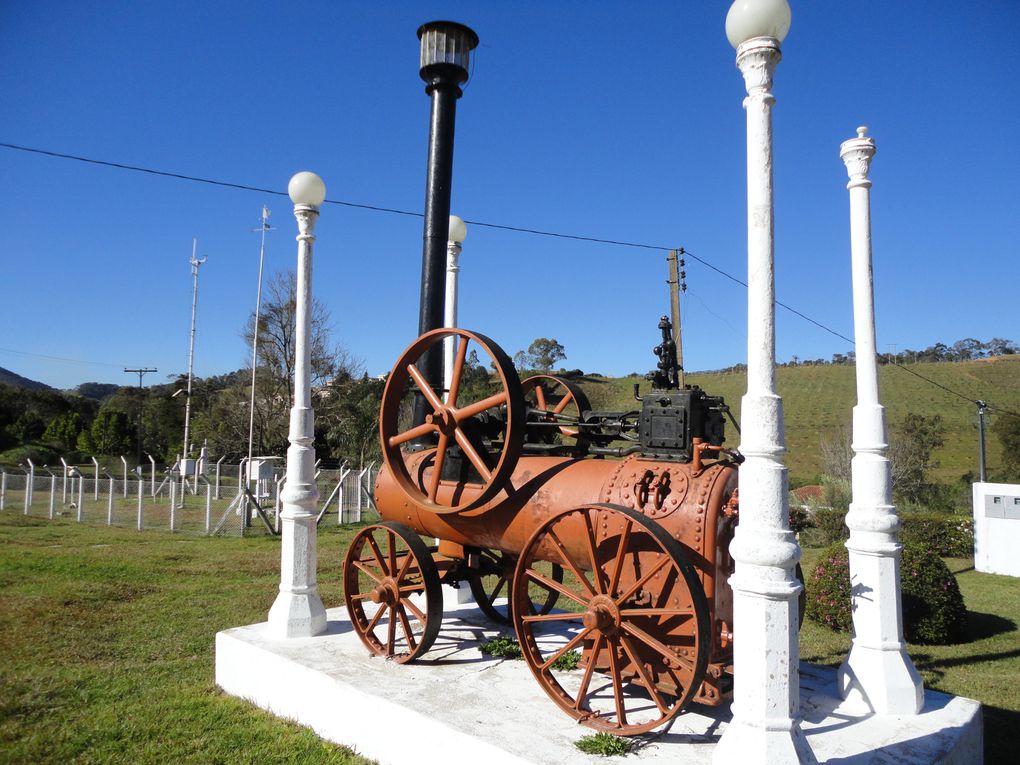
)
(424, 387)
(540, 396)
(663, 612)
(560, 616)
(643, 673)
(590, 538)
(478, 407)
(375, 619)
(589, 670)
(412, 588)
(410, 435)
(458, 370)
(360, 565)
(414, 609)
(569, 646)
(614, 671)
(620, 555)
(564, 403)
(472, 455)
(653, 643)
(437, 466)
(407, 628)
(391, 633)
(644, 579)
(499, 586)
(392, 550)
(408, 560)
(551, 584)
(570, 564)
(378, 554)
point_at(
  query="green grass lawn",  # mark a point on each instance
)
(986, 667)
(106, 646)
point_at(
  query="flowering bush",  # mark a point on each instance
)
(951, 536)
(933, 608)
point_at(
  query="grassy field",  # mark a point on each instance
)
(818, 399)
(106, 646)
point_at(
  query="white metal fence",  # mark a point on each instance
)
(204, 504)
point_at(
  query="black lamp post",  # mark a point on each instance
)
(445, 56)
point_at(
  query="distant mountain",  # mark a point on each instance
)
(17, 381)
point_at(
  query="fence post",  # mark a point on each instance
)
(53, 494)
(3, 489)
(220, 460)
(30, 486)
(95, 487)
(63, 491)
(173, 501)
(141, 494)
(152, 483)
(81, 497)
(208, 506)
(109, 504)
(124, 460)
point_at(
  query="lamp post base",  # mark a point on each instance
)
(297, 614)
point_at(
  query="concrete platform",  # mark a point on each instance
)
(459, 705)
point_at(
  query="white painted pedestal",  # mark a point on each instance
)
(461, 706)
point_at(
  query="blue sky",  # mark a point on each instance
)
(613, 120)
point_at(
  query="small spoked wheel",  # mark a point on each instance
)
(487, 427)
(634, 610)
(554, 407)
(490, 586)
(392, 591)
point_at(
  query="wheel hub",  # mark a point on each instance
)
(387, 592)
(602, 614)
(444, 420)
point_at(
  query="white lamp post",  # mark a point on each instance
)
(458, 233)
(766, 654)
(877, 670)
(298, 610)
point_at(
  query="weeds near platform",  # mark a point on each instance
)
(605, 744)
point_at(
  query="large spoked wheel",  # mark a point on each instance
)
(554, 407)
(488, 430)
(490, 585)
(635, 610)
(392, 591)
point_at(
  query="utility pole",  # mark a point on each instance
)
(195, 263)
(141, 373)
(982, 409)
(677, 283)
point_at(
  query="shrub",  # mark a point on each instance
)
(505, 646)
(933, 608)
(951, 536)
(828, 526)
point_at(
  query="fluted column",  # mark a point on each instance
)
(877, 670)
(766, 654)
(298, 610)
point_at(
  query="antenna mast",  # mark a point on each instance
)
(195, 263)
(255, 334)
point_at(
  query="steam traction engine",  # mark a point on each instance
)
(601, 536)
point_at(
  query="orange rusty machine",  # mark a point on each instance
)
(601, 536)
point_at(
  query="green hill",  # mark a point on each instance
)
(818, 399)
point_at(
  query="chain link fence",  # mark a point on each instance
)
(214, 503)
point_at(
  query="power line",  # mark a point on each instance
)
(410, 213)
(60, 358)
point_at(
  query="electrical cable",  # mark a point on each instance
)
(484, 224)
